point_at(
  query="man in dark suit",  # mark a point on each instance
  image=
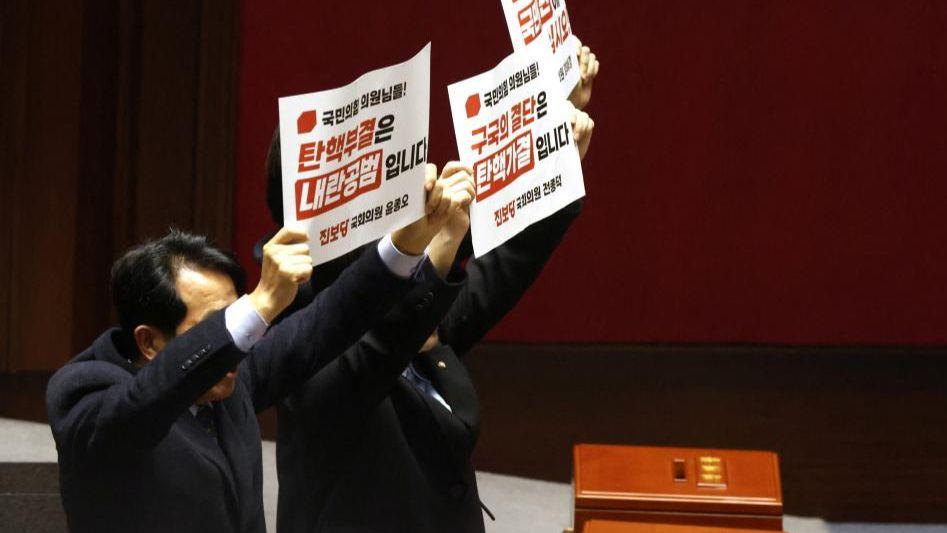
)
(155, 423)
(381, 438)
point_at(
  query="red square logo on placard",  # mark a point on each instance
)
(306, 121)
(473, 105)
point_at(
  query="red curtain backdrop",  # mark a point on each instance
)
(761, 171)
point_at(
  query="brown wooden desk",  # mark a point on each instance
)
(718, 488)
(605, 526)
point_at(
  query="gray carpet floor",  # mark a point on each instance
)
(520, 504)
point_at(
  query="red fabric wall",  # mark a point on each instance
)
(761, 171)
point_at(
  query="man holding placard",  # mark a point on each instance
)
(380, 439)
(155, 422)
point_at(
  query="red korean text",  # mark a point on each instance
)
(320, 194)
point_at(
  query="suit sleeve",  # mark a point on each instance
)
(307, 340)
(96, 407)
(498, 279)
(363, 376)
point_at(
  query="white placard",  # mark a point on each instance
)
(545, 25)
(513, 129)
(353, 158)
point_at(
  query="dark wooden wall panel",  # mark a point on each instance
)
(96, 167)
(11, 98)
(126, 131)
(216, 114)
(43, 185)
(105, 106)
(166, 116)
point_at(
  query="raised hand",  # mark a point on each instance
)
(445, 244)
(445, 196)
(286, 265)
(588, 70)
(582, 126)
(458, 183)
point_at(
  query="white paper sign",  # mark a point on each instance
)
(544, 25)
(353, 158)
(513, 129)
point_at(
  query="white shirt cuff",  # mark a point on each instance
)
(400, 264)
(244, 323)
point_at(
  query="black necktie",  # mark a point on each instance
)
(205, 417)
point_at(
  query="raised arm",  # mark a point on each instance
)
(365, 373)
(497, 280)
(96, 407)
(350, 386)
(307, 340)
(129, 388)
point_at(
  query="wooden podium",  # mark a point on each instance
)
(687, 486)
(604, 526)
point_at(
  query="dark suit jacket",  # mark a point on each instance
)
(133, 458)
(361, 448)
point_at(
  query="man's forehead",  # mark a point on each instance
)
(196, 284)
(203, 291)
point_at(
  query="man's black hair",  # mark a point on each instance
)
(143, 279)
(274, 180)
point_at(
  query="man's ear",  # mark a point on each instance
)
(149, 340)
